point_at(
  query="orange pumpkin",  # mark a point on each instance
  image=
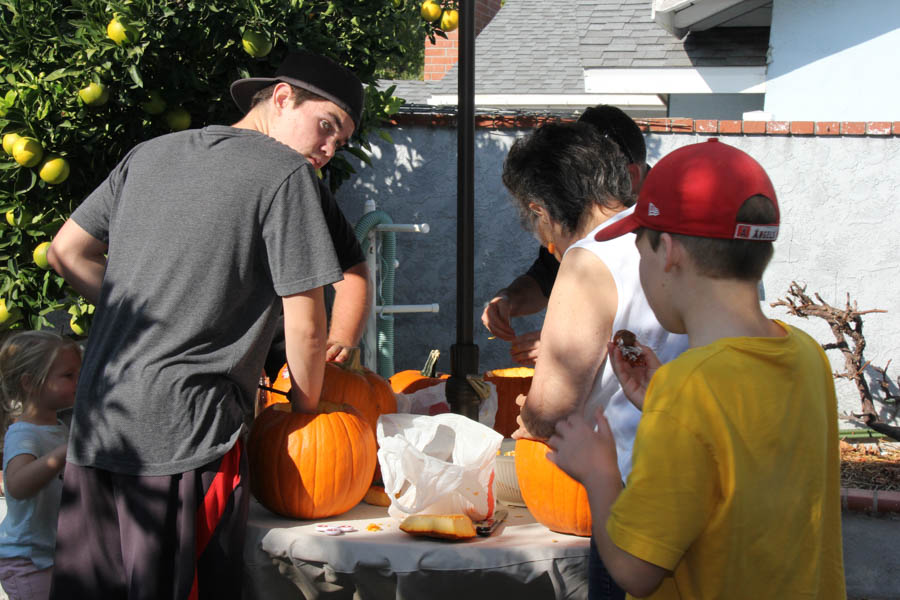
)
(410, 381)
(510, 383)
(554, 499)
(310, 466)
(347, 383)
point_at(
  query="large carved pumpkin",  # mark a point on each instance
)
(411, 381)
(348, 383)
(510, 383)
(310, 466)
(554, 499)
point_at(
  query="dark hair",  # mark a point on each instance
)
(566, 167)
(299, 95)
(620, 128)
(718, 258)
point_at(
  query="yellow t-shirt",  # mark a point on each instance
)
(735, 485)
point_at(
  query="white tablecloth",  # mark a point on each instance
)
(522, 559)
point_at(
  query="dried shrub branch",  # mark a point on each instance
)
(847, 327)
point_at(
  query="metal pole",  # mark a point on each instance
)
(464, 354)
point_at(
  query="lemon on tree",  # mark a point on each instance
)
(76, 326)
(256, 44)
(81, 318)
(9, 141)
(120, 31)
(178, 119)
(450, 20)
(431, 10)
(15, 220)
(9, 314)
(28, 152)
(40, 255)
(154, 104)
(54, 170)
(94, 94)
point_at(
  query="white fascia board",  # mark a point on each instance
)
(695, 12)
(644, 101)
(688, 80)
(680, 16)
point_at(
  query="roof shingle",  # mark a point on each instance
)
(544, 47)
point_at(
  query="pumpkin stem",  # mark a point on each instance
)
(478, 384)
(353, 362)
(429, 369)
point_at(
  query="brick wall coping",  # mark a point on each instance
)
(665, 125)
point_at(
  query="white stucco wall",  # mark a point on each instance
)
(840, 214)
(833, 60)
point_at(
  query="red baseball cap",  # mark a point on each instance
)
(697, 190)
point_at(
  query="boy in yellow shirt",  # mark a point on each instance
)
(735, 488)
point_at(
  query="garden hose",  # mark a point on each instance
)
(385, 292)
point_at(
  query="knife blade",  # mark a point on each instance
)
(487, 527)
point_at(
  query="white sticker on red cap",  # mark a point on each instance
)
(652, 211)
(759, 233)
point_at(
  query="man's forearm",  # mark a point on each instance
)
(524, 296)
(350, 309)
(304, 336)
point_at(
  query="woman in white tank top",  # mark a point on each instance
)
(568, 182)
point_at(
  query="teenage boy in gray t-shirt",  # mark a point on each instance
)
(189, 250)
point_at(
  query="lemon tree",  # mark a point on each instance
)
(83, 81)
(440, 17)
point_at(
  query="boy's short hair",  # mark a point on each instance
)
(718, 201)
(299, 95)
(715, 258)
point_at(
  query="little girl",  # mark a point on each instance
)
(38, 376)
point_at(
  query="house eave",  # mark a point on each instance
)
(644, 103)
(679, 17)
(688, 80)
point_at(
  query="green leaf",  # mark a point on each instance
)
(57, 74)
(135, 75)
(359, 154)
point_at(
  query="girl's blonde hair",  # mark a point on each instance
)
(28, 353)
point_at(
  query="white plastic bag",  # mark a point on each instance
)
(441, 464)
(433, 401)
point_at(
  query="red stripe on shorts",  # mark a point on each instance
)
(210, 511)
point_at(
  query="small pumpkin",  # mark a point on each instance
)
(554, 499)
(411, 381)
(510, 383)
(310, 466)
(347, 383)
